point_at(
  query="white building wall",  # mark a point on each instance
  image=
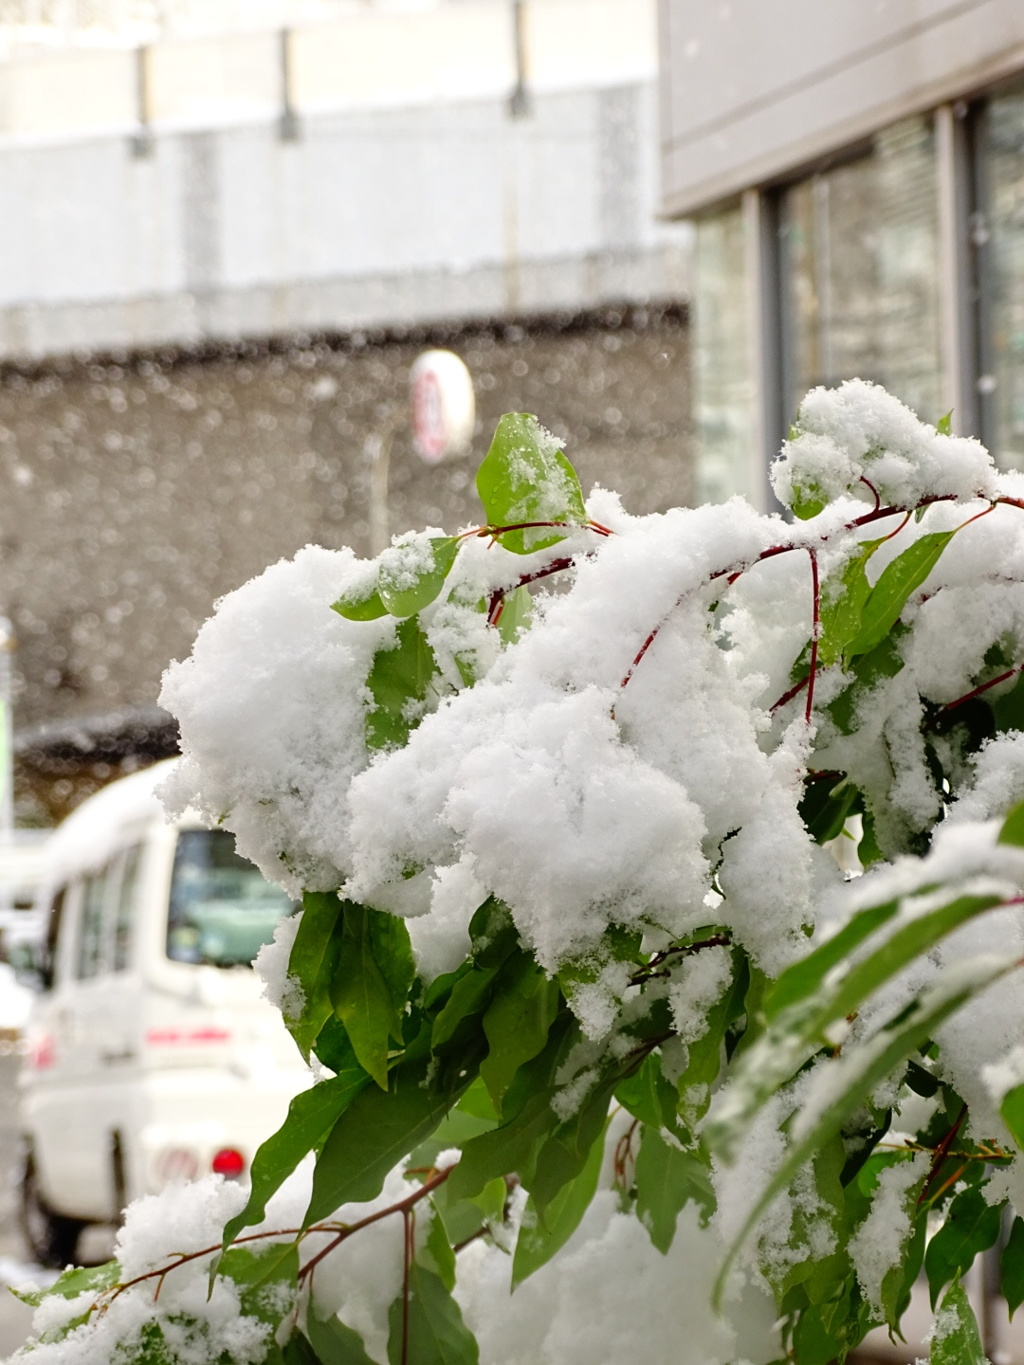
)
(379, 212)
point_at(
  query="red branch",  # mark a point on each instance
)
(977, 691)
(815, 629)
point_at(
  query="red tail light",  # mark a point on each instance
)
(229, 1163)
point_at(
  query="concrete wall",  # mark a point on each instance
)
(135, 494)
(753, 90)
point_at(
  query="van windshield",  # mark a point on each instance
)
(222, 910)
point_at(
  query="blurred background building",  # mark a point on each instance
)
(856, 173)
(226, 230)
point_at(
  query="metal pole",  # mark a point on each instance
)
(519, 101)
(378, 452)
(7, 645)
(288, 127)
(142, 142)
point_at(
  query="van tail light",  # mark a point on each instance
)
(228, 1162)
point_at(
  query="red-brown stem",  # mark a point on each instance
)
(874, 491)
(816, 626)
(402, 1207)
(790, 694)
(977, 691)
(941, 1152)
(496, 601)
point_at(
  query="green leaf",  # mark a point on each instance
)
(1012, 1111)
(805, 976)
(267, 1277)
(437, 1334)
(1011, 1267)
(666, 1180)
(333, 1342)
(368, 606)
(971, 1227)
(360, 995)
(842, 605)
(469, 997)
(860, 1070)
(71, 1283)
(826, 805)
(399, 682)
(373, 1134)
(516, 614)
(544, 1232)
(505, 1150)
(895, 584)
(311, 1116)
(406, 588)
(526, 478)
(956, 1339)
(944, 426)
(517, 1022)
(311, 964)
(1012, 831)
(795, 1033)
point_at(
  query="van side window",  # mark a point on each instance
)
(124, 910)
(90, 932)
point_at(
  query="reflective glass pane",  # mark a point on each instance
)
(90, 936)
(860, 273)
(221, 910)
(1000, 241)
(722, 387)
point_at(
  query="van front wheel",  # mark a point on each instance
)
(52, 1239)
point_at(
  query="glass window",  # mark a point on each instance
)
(999, 237)
(222, 910)
(722, 388)
(124, 908)
(90, 931)
(859, 273)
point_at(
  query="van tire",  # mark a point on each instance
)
(51, 1238)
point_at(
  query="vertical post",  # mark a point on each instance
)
(760, 223)
(288, 127)
(7, 644)
(956, 283)
(519, 100)
(142, 142)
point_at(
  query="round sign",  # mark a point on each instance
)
(443, 406)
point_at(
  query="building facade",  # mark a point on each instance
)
(855, 172)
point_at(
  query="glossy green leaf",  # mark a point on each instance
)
(361, 997)
(70, 1283)
(971, 1226)
(1011, 1267)
(505, 1150)
(797, 1032)
(267, 1277)
(368, 606)
(311, 1116)
(666, 1180)
(544, 1232)
(860, 1071)
(956, 1339)
(842, 605)
(516, 614)
(1012, 1111)
(405, 590)
(525, 478)
(517, 1022)
(333, 1342)
(428, 1329)
(944, 426)
(374, 1133)
(806, 975)
(897, 581)
(1012, 831)
(311, 965)
(400, 682)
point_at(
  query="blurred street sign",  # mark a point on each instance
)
(443, 406)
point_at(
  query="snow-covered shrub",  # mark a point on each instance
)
(599, 1017)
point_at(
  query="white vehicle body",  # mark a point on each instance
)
(145, 1063)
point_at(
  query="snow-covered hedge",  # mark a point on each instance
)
(597, 1013)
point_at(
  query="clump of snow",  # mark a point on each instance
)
(878, 1243)
(857, 434)
(271, 965)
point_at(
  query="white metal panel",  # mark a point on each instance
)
(754, 90)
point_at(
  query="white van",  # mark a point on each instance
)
(151, 1056)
